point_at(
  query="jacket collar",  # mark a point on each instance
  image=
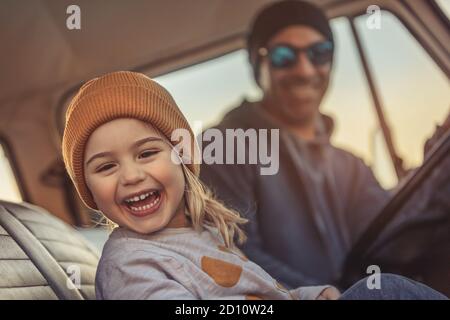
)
(257, 117)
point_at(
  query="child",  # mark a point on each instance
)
(173, 240)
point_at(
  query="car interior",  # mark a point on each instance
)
(50, 243)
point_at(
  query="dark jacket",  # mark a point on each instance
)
(305, 218)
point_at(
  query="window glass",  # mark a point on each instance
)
(414, 91)
(9, 189)
(206, 91)
(349, 102)
(444, 5)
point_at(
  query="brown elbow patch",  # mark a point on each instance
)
(223, 273)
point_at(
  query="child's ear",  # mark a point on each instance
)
(92, 196)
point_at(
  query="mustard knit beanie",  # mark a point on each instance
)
(116, 95)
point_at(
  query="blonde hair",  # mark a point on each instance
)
(204, 209)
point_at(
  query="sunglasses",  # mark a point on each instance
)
(284, 56)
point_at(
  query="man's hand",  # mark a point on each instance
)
(330, 293)
(438, 133)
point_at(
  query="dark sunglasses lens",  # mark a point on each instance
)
(282, 57)
(321, 53)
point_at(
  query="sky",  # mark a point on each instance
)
(414, 92)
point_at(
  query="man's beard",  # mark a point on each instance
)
(314, 81)
(288, 106)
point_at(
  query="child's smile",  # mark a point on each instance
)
(143, 203)
(131, 176)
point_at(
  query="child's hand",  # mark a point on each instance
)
(330, 293)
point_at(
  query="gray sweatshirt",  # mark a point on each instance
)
(180, 263)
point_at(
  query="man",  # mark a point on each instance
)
(304, 219)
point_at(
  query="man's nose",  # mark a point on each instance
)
(132, 174)
(304, 67)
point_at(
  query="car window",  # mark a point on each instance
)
(9, 189)
(413, 89)
(206, 91)
(444, 5)
(349, 102)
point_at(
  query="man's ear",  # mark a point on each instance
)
(264, 76)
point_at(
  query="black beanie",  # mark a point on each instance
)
(277, 16)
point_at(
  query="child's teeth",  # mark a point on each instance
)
(146, 207)
(138, 198)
